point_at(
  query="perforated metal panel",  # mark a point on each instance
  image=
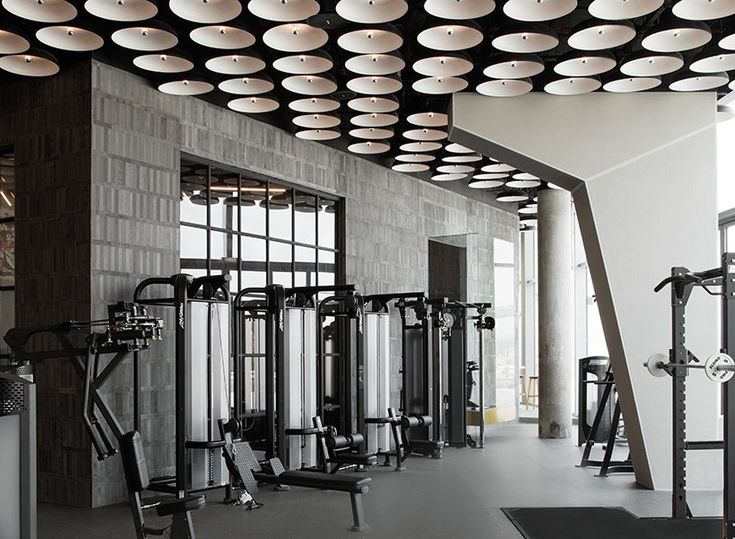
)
(243, 460)
(12, 399)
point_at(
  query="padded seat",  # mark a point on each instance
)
(190, 503)
(341, 483)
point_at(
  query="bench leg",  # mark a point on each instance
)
(181, 526)
(358, 512)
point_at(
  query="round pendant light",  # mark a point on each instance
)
(505, 87)
(651, 64)
(415, 158)
(498, 168)
(372, 133)
(70, 38)
(576, 64)
(425, 134)
(50, 11)
(528, 221)
(295, 37)
(12, 41)
(447, 177)
(317, 121)
(254, 85)
(371, 40)
(374, 120)
(318, 134)
(462, 158)
(126, 11)
(410, 168)
(421, 146)
(254, 104)
(428, 119)
(458, 148)
(375, 85)
(31, 63)
(615, 10)
(368, 148)
(375, 64)
(703, 10)
(371, 11)
(439, 85)
(314, 105)
(451, 37)
(236, 64)
(529, 209)
(310, 84)
(487, 181)
(284, 10)
(573, 86)
(459, 9)
(310, 63)
(455, 169)
(536, 11)
(446, 65)
(374, 104)
(676, 36)
(594, 35)
(167, 62)
(514, 66)
(511, 196)
(186, 87)
(153, 36)
(713, 61)
(222, 37)
(525, 39)
(686, 81)
(523, 180)
(206, 11)
(727, 38)
(622, 84)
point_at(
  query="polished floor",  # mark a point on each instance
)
(459, 496)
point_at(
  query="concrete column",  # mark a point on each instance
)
(555, 319)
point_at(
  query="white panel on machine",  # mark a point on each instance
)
(377, 378)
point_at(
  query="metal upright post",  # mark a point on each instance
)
(180, 315)
(270, 375)
(481, 384)
(278, 314)
(728, 344)
(360, 366)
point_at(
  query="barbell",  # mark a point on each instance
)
(718, 367)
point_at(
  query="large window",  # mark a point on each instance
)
(256, 230)
(7, 242)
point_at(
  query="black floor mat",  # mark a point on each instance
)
(605, 523)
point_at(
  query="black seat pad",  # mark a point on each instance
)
(354, 458)
(300, 478)
(190, 503)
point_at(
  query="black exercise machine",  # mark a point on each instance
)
(591, 373)
(341, 450)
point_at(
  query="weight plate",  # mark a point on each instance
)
(653, 364)
(713, 368)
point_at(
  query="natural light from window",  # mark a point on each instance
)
(726, 165)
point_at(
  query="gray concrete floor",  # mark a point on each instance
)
(459, 496)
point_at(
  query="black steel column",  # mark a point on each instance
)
(728, 344)
(180, 315)
(679, 297)
(279, 308)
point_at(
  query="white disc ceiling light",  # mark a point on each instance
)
(247, 85)
(459, 9)
(443, 66)
(122, 11)
(70, 38)
(498, 168)
(428, 119)
(421, 146)
(511, 196)
(455, 169)
(538, 10)
(695, 82)
(631, 84)
(12, 42)
(235, 64)
(445, 177)
(652, 64)
(451, 37)
(50, 11)
(371, 40)
(573, 86)
(374, 120)
(713, 61)
(584, 65)
(372, 133)
(374, 104)
(369, 148)
(316, 121)
(593, 35)
(704, 10)
(206, 11)
(526, 39)
(31, 63)
(375, 64)
(222, 37)
(615, 10)
(314, 105)
(253, 104)
(505, 87)
(168, 62)
(466, 158)
(528, 209)
(439, 85)
(458, 148)
(410, 168)
(283, 10)
(375, 85)
(523, 180)
(186, 87)
(371, 11)
(487, 181)
(304, 64)
(677, 36)
(154, 36)
(518, 66)
(425, 134)
(318, 134)
(310, 84)
(415, 158)
(295, 37)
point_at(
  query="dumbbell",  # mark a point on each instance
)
(719, 367)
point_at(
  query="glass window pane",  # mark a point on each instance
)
(252, 279)
(280, 212)
(327, 222)
(193, 243)
(224, 251)
(282, 278)
(327, 265)
(7, 254)
(305, 267)
(305, 215)
(252, 211)
(193, 193)
(730, 242)
(224, 188)
(253, 249)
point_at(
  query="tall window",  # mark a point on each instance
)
(7, 242)
(256, 230)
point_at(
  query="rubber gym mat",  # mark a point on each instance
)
(605, 523)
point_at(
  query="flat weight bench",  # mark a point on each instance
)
(249, 467)
(337, 449)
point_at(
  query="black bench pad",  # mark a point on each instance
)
(300, 478)
(190, 503)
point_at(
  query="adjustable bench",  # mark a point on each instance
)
(405, 446)
(336, 449)
(248, 466)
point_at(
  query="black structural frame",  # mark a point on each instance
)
(186, 289)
